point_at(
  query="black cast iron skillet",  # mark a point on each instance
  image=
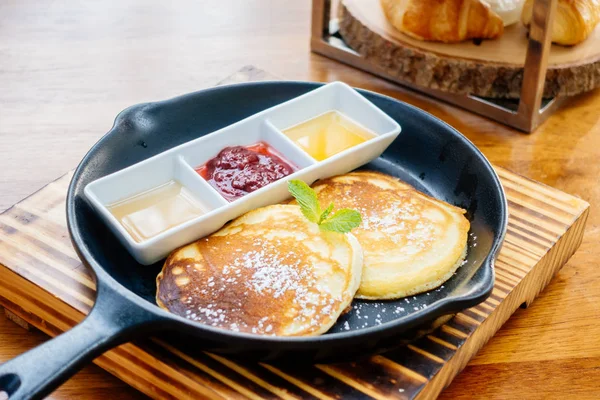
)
(428, 154)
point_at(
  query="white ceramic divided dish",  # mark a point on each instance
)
(179, 163)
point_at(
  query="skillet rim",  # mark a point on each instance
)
(441, 307)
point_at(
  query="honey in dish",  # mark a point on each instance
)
(328, 134)
(147, 214)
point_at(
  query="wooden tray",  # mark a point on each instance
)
(491, 68)
(42, 283)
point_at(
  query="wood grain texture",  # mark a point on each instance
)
(493, 68)
(67, 68)
(49, 289)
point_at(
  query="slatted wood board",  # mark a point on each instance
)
(43, 283)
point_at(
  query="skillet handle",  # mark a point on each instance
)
(112, 321)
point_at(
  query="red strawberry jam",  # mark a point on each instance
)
(239, 170)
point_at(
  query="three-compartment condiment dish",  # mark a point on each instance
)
(179, 165)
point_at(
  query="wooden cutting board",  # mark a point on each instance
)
(43, 284)
(490, 68)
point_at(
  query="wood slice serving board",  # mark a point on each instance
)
(491, 68)
(43, 283)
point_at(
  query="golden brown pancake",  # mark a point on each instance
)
(411, 242)
(269, 272)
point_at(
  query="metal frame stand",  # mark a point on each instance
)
(525, 114)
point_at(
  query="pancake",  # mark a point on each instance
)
(269, 272)
(412, 243)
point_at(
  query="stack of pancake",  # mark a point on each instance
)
(272, 272)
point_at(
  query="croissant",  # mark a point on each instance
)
(444, 20)
(573, 22)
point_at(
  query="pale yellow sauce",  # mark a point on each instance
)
(147, 214)
(328, 134)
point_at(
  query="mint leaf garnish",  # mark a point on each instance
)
(342, 221)
(307, 199)
(325, 213)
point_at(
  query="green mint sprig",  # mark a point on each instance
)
(341, 221)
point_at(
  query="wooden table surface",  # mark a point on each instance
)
(67, 68)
